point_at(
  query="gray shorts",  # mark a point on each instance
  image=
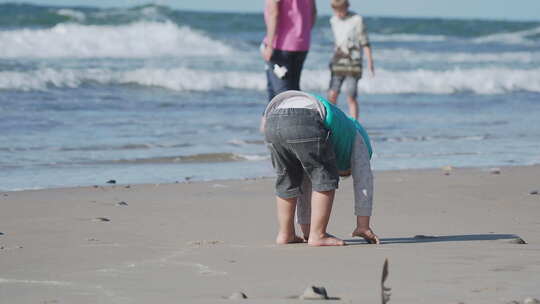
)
(299, 144)
(350, 82)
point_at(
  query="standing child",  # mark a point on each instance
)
(351, 41)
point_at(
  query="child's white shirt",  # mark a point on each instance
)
(350, 34)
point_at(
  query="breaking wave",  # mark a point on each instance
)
(490, 80)
(136, 40)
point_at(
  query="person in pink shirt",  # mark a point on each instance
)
(287, 41)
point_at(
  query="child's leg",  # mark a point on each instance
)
(351, 89)
(285, 215)
(333, 96)
(334, 87)
(353, 106)
(321, 205)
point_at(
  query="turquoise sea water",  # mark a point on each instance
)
(152, 94)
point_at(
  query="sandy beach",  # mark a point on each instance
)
(448, 239)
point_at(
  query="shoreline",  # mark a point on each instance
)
(190, 181)
(448, 238)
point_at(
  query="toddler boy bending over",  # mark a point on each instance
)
(312, 142)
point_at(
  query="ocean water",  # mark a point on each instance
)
(152, 95)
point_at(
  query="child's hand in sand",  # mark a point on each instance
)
(367, 234)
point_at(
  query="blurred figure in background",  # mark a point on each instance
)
(351, 40)
(287, 41)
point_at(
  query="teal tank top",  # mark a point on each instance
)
(344, 129)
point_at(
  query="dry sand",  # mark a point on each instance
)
(201, 242)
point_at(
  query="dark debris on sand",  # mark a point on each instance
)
(238, 295)
(314, 293)
(102, 219)
(385, 291)
(518, 241)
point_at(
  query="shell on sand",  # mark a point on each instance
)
(518, 241)
(447, 170)
(314, 293)
(237, 295)
(495, 170)
(530, 300)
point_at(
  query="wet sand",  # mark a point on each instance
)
(448, 239)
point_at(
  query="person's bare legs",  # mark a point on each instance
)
(321, 208)
(353, 106)
(363, 230)
(333, 96)
(285, 215)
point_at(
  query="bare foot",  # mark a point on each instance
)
(287, 239)
(326, 240)
(367, 234)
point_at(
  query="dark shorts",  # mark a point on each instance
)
(293, 62)
(299, 144)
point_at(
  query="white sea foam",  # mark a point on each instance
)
(253, 157)
(135, 40)
(479, 80)
(519, 37)
(406, 38)
(34, 282)
(412, 56)
(74, 14)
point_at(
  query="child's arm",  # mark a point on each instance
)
(303, 207)
(364, 42)
(363, 191)
(362, 178)
(369, 57)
